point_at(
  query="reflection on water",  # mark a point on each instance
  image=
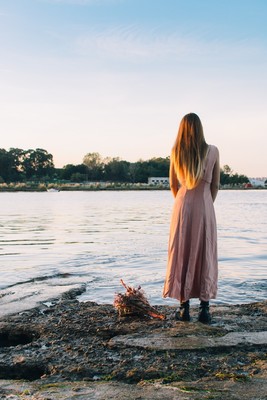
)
(68, 239)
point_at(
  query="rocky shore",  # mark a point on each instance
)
(73, 350)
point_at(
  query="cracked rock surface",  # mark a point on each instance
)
(76, 350)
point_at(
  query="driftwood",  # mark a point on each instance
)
(134, 302)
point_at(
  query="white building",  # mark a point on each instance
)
(158, 181)
(257, 181)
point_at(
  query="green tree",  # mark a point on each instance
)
(227, 170)
(37, 164)
(243, 179)
(6, 164)
(95, 166)
(158, 167)
(141, 172)
(225, 174)
(75, 173)
(116, 170)
(17, 156)
(227, 177)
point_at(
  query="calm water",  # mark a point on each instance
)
(52, 242)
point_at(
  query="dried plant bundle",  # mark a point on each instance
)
(134, 302)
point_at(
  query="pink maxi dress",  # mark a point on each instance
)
(192, 270)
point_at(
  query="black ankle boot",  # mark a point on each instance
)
(204, 312)
(182, 314)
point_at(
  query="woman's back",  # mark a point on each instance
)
(192, 262)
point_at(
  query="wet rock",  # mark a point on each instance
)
(165, 341)
(13, 336)
(90, 343)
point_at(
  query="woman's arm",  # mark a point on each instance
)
(215, 183)
(174, 183)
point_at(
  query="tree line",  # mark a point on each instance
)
(228, 177)
(18, 165)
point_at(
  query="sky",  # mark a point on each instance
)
(116, 77)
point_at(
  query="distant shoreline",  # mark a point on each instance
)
(84, 188)
(98, 186)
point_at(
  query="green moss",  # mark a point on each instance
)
(56, 385)
(26, 392)
(171, 378)
(232, 376)
(108, 378)
(189, 389)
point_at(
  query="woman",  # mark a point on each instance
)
(192, 270)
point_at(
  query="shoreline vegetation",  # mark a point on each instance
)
(97, 186)
(34, 170)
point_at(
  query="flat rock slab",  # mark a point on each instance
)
(202, 390)
(163, 341)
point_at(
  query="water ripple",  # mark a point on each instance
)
(95, 238)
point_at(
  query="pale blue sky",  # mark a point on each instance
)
(116, 77)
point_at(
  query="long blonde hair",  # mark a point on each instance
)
(189, 151)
